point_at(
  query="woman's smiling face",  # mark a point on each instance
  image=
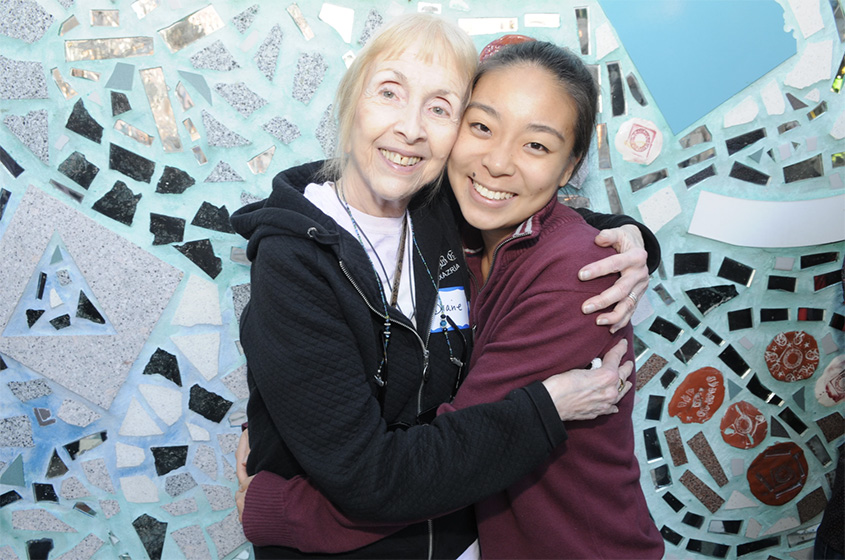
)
(513, 150)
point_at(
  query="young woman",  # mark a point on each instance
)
(357, 328)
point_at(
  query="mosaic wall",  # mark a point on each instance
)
(132, 130)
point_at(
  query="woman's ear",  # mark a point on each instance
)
(567, 173)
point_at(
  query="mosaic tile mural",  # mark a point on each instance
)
(131, 130)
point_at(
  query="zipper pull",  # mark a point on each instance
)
(426, 354)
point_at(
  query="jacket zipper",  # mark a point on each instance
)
(493, 260)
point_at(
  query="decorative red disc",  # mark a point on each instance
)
(494, 46)
(792, 356)
(743, 426)
(699, 396)
(778, 473)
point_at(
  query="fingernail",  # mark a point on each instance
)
(601, 322)
(589, 308)
(584, 275)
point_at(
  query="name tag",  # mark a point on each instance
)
(455, 305)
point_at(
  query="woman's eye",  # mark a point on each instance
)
(480, 127)
(537, 146)
(387, 94)
(439, 111)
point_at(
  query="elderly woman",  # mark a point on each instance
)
(358, 328)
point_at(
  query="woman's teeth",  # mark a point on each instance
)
(399, 159)
(491, 195)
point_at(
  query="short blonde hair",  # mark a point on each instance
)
(439, 40)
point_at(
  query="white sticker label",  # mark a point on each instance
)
(455, 306)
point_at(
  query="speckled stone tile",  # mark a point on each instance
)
(179, 484)
(327, 132)
(371, 24)
(215, 57)
(84, 550)
(244, 19)
(219, 497)
(310, 70)
(218, 134)
(30, 390)
(16, 431)
(120, 274)
(24, 19)
(182, 507)
(72, 489)
(206, 460)
(191, 542)
(22, 79)
(32, 130)
(39, 520)
(223, 173)
(268, 53)
(282, 129)
(98, 474)
(110, 508)
(227, 535)
(8, 553)
(139, 489)
(228, 442)
(236, 383)
(77, 414)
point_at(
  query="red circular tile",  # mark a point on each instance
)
(494, 46)
(778, 473)
(743, 425)
(792, 356)
(699, 396)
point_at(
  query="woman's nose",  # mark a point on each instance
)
(410, 126)
(498, 159)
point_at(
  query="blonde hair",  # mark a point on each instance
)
(439, 40)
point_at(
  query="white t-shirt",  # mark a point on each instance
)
(383, 235)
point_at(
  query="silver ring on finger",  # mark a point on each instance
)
(633, 297)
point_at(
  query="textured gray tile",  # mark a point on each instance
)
(16, 432)
(223, 173)
(39, 520)
(217, 134)
(268, 53)
(98, 475)
(215, 57)
(244, 100)
(191, 542)
(236, 383)
(219, 497)
(24, 19)
(84, 550)
(182, 507)
(243, 20)
(31, 130)
(77, 414)
(310, 70)
(206, 460)
(21, 79)
(227, 535)
(282, 129)
(72, 489)
(29, 390)
(110, 508)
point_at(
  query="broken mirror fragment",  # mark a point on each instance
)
(736, 272)
(201, 253)
(816, 259)
(668, 377)
(661, 477)
(130, 164)
(152, 532)
(654, 410)
(9, 497)
(582, 21)
(169, 458)
(300, 21)
(260, 163)
(192, 130)
(810, 314)
(710, 499)
(770, 315)
(688, 350)
(698, 158)
(77, 197)
(837, 321)
(666, 329)
(820, 110)
(778, 474)
(39, 549)
(644, 181)
(185, 100)
(762, 392)
(42, 282)
(673, 502)
(724, 527)
(207, 404)
(671, 536)
(165, 364)
(707, 548)
(786, 127)
(174, 181)
(713, 337)
(191, 28)
(82, 123)
(67, 25)
(634, 87)
(749, 174)
(807, 169)
(696, 178)
(734, 361)
(61, 322)
(707, 299)
(603, 147)
(697, 136)
(652, 445)
(617, 90)
(65, 88)
(823, 281)
(200, 157)
(817, 447)
(310, 70)
(691, 263)
(693, 520)
(156, 90)
(84, 444)
(612, 196)
(166, 229)
(44, 492)
(32, 316)
(837, 160)
(795, 102)
(86, 310)
(793, 421)
(740, 319)
(133, 132)
(104, 18)
(79, 169)
(82, 507)
(737, 143)
(118, 204)
(210, 217)
(782, 283)
(56, 467)
(11, 166)
(664, 294)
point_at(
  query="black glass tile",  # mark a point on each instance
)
(792, 419)
(174, 181)
(696, 178)
(617, 91)
(698, 158)
(79, 170)
(669, 376)
(826, 280)
(837, 321)
(166, 229)
(795, 102)
(691, 263)
(818, 111)
(119, 203)
(737, 143)
(207, 404)
(673, 502)
(693, 520)
(816, 259)
(152, 533)
(696, 137)
(86, 310)
(725, 527)
(76, 196)
(734, 361)
(749, 174)
(688, 350)
(787, 126)
(2, 364)
(636, 92)
(671, 536)
(610, 189)
(736, 272)
(39, 549)
(82, 123)
(652, 445)
(769, 315)
(201, 253)
(87, 443)
(664, 328)
(661, 477)
(42, 282)
(61, 322)
(762, 392)
(654, 410)
(119, 103)
(713, 337)
(32, 316)
(213, 218)
(817, 447)
(648, 179)
(782, 283)
(4, 201)
(130, 164)
(807, 169)
(10, 164)
(9, 497)
(712, 549)
(810, 314)
(756, 546)
(165, 364)
(44, 492)
(688, 316)
(740, 319)
(776, 429)
(664, 294)
(707, 299)
(56, 467)
(169, 458)
(82, 507)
